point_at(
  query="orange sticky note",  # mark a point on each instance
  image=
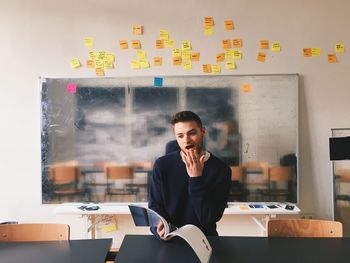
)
(208, 21)
(177, 61)
(264, 44)
(137, 29)
(100, 72)
(307, 52)
(90, 63)
(226, 43)
(158, 61)
(136, 44)
(261, 57)
(206, 68)
(332, 58)
(237, 43)
(195, 56)
(220, 57)
(159, 43)
(123, 44)
(246, 87)
(229, 25)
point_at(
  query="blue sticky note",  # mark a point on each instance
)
(158, 82)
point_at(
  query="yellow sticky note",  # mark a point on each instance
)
(246, 87)
(123, 44)
(109, 228)
(276, 46)
(169, 43)
(135, 64)
(99, 63)
(101, 55)
(307, 52)
(176, 52)
(230, 64)
(164, 34)
(186, 55)
(316, 51)
(109, 56)
(108, 64)
(177, 61)
(264, 44)
(158, 61)
(226, 43)
(137, 29)
(216, 68)
(140, 54)
(237, 43)
(186, 45)
(136, 44)
(229, 53)
(206, 68)
(100, 72)
(229, 25)
(90, 63)
(237, 54)
(332, 58)
(159, 43)
(339, 48)
(89, 41)
(208, 21)
(93, 55)
(195, 56)
(261, 57)
(75, 63)
(144, 63)
(208, 30)
(187, 65)
(220, 57)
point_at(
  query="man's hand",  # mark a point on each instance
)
(160, 230)
(194, 162)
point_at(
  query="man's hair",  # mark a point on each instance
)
(184, 116)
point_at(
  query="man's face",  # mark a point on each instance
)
(189, 135)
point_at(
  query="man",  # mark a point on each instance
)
(190, 185)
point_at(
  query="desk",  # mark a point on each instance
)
(138, 248)
(73, 251)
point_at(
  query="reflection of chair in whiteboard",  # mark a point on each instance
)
(238, 193)
(255, 178)
(342, 186)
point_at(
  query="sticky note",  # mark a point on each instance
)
(100, 72)
(237, 43)
(169, 43)
(208, 30)
(229, 53)
(276, 46)
(216, 68)
(123, 44)
(307, 52)
(144, 63)
(110, 56)
(246, 87)
(264, 44)
(243, 207)
(195, 56)
(158, 61)
(261, 57)
(186, 55)
(101, 55)
(137, 29)
(316, 51)
(339, 48)
(158, 82)
(208, 21)
(109, 228)
(220, 57)
(72, 88)
(206, 68)
(140, 54)
(90, 63)
(187, 65)
(159, 43)
(136, 44)
(108, 64)
(164, 34)
(226, 43)
(229, 25)
(92, 55)
(75, 63)
(332, 58)
(177, 61)
(99, 63)
(135, 64)
(186, 45)
(237, 54)
(230, 64)
(176, 52)
(89, 41)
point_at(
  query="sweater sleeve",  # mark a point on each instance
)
(209, 200)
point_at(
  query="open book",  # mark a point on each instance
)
(190, 233)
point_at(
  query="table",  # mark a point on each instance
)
(140, 248)
(72, 251)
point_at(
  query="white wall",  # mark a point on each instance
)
(39, 37)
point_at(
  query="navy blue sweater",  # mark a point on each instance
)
(182, 200)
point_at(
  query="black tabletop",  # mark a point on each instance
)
(139, 248)
(73, 251)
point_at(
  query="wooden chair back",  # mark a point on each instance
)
(280, 173)
(63, 174)
(343, 175)
(304, 228)
(119, 172)
(236, 173)
(33, 232)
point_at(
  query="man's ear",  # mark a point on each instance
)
(203, 130)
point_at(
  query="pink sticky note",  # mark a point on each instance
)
(72, 88)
